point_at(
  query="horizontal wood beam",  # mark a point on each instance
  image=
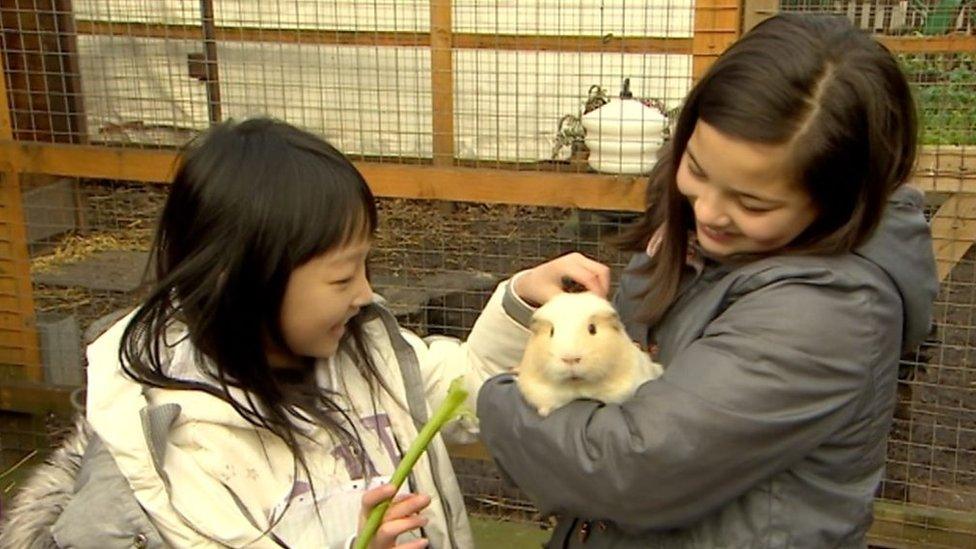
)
(940, 170)
(952, 43)
(953, 232)
(31, 397)
(898, 524)
(521, 42)
(528, 187)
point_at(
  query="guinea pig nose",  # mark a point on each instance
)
(570, 360)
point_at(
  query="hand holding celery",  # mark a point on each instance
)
(448, 410)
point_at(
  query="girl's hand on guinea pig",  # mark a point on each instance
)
(540, 283)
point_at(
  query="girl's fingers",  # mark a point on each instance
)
(389, 531)
(415, 544)
(546, 280)
(411, 505)
(372, 497)
(591, 274)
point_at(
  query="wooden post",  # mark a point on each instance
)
(210, 61)
(442, 81)
(18, 335)
(953, 231)
(757, 11)
(717, 24)
(40, 56)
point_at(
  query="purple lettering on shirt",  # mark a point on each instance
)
(380, 423)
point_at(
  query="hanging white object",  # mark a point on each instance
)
(624, 135)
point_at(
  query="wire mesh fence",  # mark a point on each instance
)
(500, 85)
(151, 74)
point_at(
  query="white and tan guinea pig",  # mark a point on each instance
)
(579, 349)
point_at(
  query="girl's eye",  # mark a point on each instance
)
(755, 209)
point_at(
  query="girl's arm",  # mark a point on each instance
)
(494, 346)
(497, 340)
(773, 377)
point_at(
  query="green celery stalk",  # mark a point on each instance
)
(448, 410)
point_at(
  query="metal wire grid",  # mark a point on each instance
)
(896, 17)
(364, 74)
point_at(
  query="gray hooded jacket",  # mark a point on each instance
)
(768, 427)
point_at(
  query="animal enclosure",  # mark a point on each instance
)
(467, 119)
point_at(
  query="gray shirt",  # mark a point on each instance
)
(768, 427)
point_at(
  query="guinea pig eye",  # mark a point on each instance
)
(592, 329)
(552, 331)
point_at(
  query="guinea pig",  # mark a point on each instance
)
(579, 349)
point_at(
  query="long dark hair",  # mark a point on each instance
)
(249, 203)
(834, 94)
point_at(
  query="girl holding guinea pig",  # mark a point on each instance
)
(781, 268)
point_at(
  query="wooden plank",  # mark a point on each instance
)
(953, 231)
(23, 343)
(510, 42)
(211, 71)
(119, 163)
(442, 82)
(156, 166)
(35, 398)
(574, 44)
(946, 158)
(757, 11)
(590, 191)
(71, 71)
(717, 25)
(946, 183)
(39, 54)
(15, 260)
(951, 43)
(898, 525)
(476, 451)
(538, 188)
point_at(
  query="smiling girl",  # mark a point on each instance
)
(782, 267)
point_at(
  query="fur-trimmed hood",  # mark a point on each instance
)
(28, 520)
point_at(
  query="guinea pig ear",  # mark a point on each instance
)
(608, 320)
(540, 327)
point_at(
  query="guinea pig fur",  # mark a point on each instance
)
(579, 349)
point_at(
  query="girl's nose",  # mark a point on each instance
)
(364, 295)
(710, 209)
